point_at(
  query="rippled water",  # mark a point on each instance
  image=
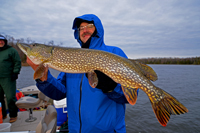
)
(181, 81)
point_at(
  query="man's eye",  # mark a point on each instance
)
(81, 28)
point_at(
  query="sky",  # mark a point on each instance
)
(141, 28)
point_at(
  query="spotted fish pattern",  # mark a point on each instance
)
(131, 74)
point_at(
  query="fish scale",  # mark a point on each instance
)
(130, 74)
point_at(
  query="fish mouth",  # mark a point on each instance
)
(24, 47)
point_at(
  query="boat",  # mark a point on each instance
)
(23, 123)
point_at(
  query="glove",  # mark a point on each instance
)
(105, 83)
(14, 76)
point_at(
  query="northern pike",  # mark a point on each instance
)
(130, 74)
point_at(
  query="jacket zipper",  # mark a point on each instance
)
(80, 102)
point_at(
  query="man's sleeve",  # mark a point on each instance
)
(16, 61)
(53, 88)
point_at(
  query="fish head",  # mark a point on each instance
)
(37, 53)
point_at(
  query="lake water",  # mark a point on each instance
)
(181, 81)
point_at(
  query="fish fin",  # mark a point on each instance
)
(40, 71)
(147, 71)
(167, 106)
(92, 78)
(130, 94)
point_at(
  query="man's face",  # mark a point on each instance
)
(85, 31)
(2, 43)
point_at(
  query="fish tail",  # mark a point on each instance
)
(166, 106)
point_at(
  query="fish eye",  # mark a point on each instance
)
(35, 44)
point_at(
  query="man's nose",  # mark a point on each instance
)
(85, 29)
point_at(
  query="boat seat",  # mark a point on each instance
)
(29, 103)
(49, 123)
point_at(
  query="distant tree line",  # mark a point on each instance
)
(182, 61)
(192, 60)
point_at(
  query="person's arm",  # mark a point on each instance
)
(52, 87)
(117, 95)
(16, 65)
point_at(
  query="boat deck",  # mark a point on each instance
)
(21, 125)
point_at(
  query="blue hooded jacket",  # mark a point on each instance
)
(89, 109)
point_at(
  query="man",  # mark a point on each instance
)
(10, 65)
(90, 110)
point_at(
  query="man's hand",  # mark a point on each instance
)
(34, 66)
(14, 76)
(105, 83)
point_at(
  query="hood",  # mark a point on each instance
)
(5, 46)
(97, 41)
(3, 38)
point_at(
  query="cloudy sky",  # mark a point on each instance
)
(141, 28)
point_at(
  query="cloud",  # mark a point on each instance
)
(141, 28)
